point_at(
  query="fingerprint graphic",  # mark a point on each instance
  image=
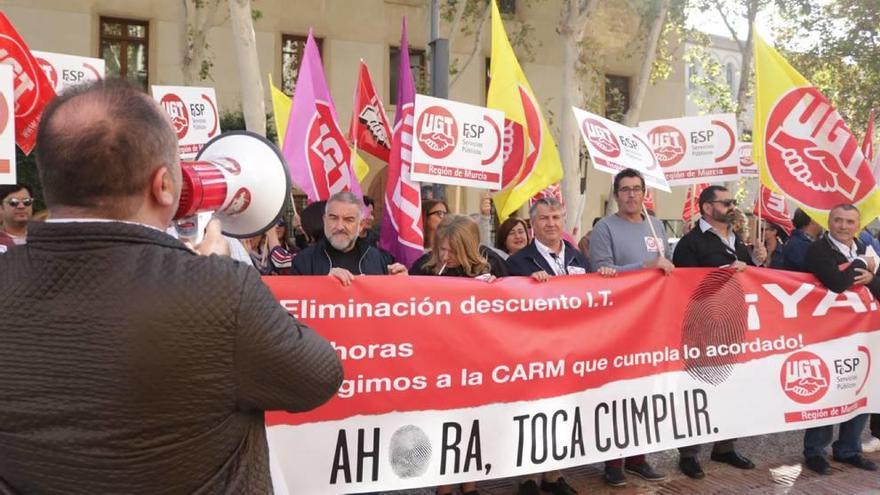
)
(410, 452)
(715, 314)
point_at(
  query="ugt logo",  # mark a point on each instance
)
(668, 143)
(175, 109)
(437, 132)
(601, 137)
(804, 377)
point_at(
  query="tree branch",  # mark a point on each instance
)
(730, 28)
(456, 21)
(478, 43)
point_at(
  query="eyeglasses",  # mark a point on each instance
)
(14, 202)
(439, 213)
(635, 190)
(726, 202)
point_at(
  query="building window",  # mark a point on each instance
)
(124, 48)
(488, 66)
(418, 64)
(507, 7)
(693, 72)
(292, 48)
(616, 97)
(730, 74)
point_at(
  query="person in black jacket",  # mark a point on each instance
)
(341, 252)
(548, 254)
(712, 243)
(838, 260)
(128, 363)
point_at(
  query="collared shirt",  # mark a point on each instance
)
(851, 253)
(555, 260)
(731, 237)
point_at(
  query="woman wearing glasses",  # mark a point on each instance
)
(433, 212)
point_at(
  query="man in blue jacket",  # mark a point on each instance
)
(342, 253)
(795, 249)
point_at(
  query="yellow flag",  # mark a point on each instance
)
(361, 168)
(281, 109)
(532, 163)
(802, 146)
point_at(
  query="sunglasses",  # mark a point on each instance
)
(14, 202)
(726, 202)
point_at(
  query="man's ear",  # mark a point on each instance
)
(162, 187)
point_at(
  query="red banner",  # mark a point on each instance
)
(602, 367)
(369, 129)
(32, 89)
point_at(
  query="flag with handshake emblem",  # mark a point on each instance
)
(803, 147)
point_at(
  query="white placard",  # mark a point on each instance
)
(747, 166)
(456, 143)
(64, 71)
(7, 126)
(695, 150)
(614, 147)
(193, 113)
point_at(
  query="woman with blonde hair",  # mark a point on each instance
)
(457, 252)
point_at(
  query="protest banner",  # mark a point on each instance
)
(614, 147)
(31, 87)
(194, 115)
(747, 166)
(457, 144)
(7, 126)
(64, 71)
(693, 150)
(459, 380)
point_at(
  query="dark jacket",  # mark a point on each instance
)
(314, 259)
(795, 251)
(130, 365)
(830, 266)
(528, 260)
(497, 265)
(705, 249)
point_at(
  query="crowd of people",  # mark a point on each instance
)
(105, 383)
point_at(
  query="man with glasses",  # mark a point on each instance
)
(712, 243)
(622, 242)
(16, 210)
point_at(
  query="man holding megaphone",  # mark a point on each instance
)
(128, 363)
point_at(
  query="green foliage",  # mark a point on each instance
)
(712, 92)
(835, 44)
(233, 120)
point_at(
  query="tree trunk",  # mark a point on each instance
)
(638, 97)
(478, 44)
(569, 135)
(252, 102)
(198, 19)
(745, 77)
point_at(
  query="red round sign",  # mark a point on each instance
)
(668, 143)
(26, 83)
(804, 377)
(437, 132)
(811, 153)
(176, 109)
(602, 138)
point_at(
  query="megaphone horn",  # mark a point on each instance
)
(242, 178)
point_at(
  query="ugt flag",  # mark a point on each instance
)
(531, 161)
(803, 148)
(315, 148)
(772, 207)
(402, 223)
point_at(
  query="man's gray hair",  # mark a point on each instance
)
(348, 197)
(845, 207)
(549, 202)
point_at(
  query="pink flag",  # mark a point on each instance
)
(402, 223)
(315, 147)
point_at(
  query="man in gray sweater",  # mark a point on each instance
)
(624, 242)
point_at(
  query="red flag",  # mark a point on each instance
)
(30, 84)
(691, 209)
(551, 191)
(649, 200)
(369, 129)
(868, 142)
(773, 208)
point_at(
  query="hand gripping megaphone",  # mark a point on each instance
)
(239, 177)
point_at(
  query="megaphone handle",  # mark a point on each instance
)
(192, 228)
